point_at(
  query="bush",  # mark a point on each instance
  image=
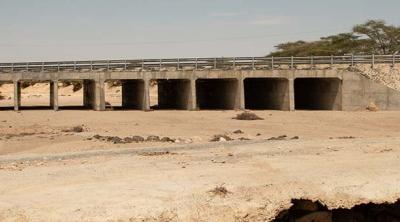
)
(247, 116)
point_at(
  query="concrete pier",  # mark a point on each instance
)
(222, 89)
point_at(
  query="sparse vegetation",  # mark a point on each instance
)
(247, 116)
(220, 191)
(75, 129)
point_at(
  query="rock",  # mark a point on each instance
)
(295, 138)
(220, 138)
(282, 137)
(153, 138)
(238, 132)
(243, 138)
(319, 216)
(372, 107)
(137, 139)
(167, 140)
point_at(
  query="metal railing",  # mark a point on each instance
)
(223, 63)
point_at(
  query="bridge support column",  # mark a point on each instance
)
(100, 100)
(192, 95)
(93, 94)
(291, 95)
(146, 95)
(240, 97)
(54, 95)
(17, 95)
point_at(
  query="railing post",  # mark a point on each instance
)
(91, 65)
(332, 61)
(178, 64)
(42, 66)
(394, 60)
(352, 60)
(27, 66)
(108, 65)
(234, 62)
(373, 60)
(160, 64)
(142, 64)
(125, 65)
(12, 67)
(58, 67)
(291, 62)
(215, 63)
(196, 64)
(74, 65)
(252, 63)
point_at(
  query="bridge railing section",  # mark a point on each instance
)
(223, 63)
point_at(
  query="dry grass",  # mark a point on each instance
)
(220, 191)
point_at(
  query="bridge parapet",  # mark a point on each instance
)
(222, 63)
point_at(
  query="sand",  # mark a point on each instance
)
(49, 172)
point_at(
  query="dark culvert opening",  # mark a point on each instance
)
(124, 94)
(216, 93)
(317, 93)
(266, 93)
(172, 94)
(309, 211)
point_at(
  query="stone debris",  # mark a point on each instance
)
(133, 139)
(372, 107)
(282, 137)
(238, 132)
(220, 138)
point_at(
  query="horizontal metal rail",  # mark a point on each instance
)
(223, 63)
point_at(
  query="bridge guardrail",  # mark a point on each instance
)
(198, 63)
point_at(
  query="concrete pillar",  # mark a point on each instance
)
(93, 94)
(17, 95)
(240, 103)
(100, 103)
(192, 95)
(54, 95)
(146, 95)
(291, 95)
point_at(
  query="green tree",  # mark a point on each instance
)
(385, 39)
(370, 37)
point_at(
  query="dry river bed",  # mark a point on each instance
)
(53, 167)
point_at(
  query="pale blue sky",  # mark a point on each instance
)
(38, 30)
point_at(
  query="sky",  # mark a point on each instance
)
(53, 30)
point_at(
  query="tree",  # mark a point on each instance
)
(385, 38)
(370, 37)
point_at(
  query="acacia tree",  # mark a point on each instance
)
(384, 38)
(370, 37)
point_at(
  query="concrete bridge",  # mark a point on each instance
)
(267, 83)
